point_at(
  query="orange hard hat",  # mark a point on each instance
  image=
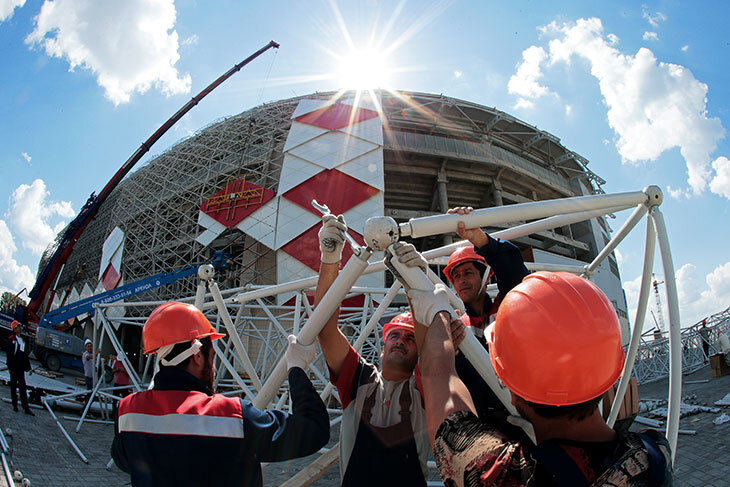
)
(173, 323)
(14, 325)
(462, 255)
(556, 340)
(403, 320)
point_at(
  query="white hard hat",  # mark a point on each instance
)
(87, 342)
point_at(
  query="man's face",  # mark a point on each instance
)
(88, 347)
(208, 372)
(399, 350)
(467, 282)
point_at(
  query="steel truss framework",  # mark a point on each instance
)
(251, 361)
(483, 156)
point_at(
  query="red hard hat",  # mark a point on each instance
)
(173, 323)
(462, 255)
(14, 325)
(556, 340)
(403, 320)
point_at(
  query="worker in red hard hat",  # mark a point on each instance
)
(383, 431)
(181, 433)
(468, 271)
(556, 345)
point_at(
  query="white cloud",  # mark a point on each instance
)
(31, 213)
(130, 46)
(720, 184)
(458, 74)
(26, 157)
(653, 106)
(650, 36)
(525, 82)
(619, 257)
(685, 48)
(679, 193)
(190, 41)
(13, 277)
(697, 299)
(653, 19)
(7, 8)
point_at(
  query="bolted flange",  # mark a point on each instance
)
(206, 272)
(654, 194)
(380, 232)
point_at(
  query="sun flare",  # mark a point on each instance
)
(363, 69)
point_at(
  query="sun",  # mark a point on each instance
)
(363, 69)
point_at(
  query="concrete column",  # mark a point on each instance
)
(443, 197)
(497, 193)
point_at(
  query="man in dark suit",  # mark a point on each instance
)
(17, 351)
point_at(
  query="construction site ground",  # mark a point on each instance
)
(39, 450)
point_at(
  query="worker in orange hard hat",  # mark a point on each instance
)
(556, 345)
(163, 436)
(383, 429)
(468, 271)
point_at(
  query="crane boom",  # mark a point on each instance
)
(73, 231)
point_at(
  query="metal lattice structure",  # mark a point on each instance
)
(438, 152)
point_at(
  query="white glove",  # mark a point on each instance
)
(332, 238)
(298, 355)
(426, 304)
(408, 255)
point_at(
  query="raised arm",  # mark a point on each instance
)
(502, 256)
(331, 241)
(276, 435)
(443, 392)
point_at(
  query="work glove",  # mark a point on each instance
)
(425, 304)
(298, 355)
(408, 255)
(332, 238)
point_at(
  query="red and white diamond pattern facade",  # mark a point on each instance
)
(333, 154)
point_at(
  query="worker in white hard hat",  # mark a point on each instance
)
(383, 438)
(181, 433)
(87, 358)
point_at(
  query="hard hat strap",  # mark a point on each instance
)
(163, 351)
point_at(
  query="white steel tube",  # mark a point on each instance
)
(233, 334)
(233, 372)
(65, 433)
(437, 224)
(88, 405)
(331, 300)
(121, 354)
(506, 234)
(623, 384)
(628, 225)
(200, 295)
(675, 339)
(6, 468)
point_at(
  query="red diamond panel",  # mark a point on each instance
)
(235, 202)
(305, 248)
(337, 190)
(336, 116)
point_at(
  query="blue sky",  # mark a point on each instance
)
(640, 90)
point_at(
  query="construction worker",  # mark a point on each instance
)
(383, 431)
(181, 433)
(17, 350)
(556, 345)
(468, 272)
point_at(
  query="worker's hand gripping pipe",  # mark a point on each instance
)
(416, 278)
(324, 310)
